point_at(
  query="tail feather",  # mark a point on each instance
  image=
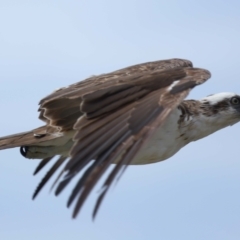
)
(33, 137)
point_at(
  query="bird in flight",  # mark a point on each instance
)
(133, 116)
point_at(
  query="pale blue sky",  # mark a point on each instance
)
(45, 45)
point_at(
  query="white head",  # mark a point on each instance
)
(211, 114)
(218, 97)
(224, 108)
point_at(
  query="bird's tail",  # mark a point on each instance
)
(33, 137)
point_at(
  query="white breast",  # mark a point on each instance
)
(167, 140)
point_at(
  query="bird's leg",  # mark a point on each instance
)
(40, 152)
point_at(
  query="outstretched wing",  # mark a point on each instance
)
(114, 115)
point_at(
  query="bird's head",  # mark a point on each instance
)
(224, 108)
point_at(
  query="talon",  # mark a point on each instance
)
(23, 151)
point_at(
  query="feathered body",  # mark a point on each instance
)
(135, 115)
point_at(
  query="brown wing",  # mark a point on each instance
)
(61, 108)
(118, 115)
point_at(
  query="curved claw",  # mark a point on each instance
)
(23, 151)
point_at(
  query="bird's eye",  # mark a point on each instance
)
(235, 101)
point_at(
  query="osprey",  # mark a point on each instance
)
(136, 115)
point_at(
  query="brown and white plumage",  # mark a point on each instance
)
(119, 118)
